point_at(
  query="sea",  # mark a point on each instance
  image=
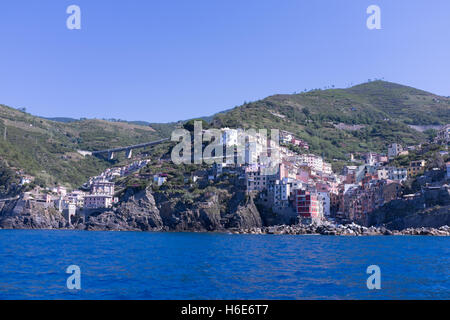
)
(41, 264)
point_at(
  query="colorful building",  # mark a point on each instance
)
(309, 206)
(416, 167)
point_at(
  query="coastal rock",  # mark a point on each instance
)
(432, 218)
(139, 212)
(144, 211)
(210, 213)
(198, 216)
(244, 215)
(26, 214)
(432, 209)
(352, 229)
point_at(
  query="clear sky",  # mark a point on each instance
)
(170, 60)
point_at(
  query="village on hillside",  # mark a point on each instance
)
(303, 186)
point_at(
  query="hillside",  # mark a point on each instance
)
(48, 149)
(336, 122)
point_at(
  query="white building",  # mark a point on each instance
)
(398, 174)
(281, 192)
(26, 180)
(62, 191)
(374, 159)
(324, 197)
(229, 137)
(97, 201)
(256, 178)
(159, 179)
(383, 174)
(349, 170)
(76, 197)
(394, 150)
(103, 187)
(444, 134)
(327, 168)
(312, 161)
(286, 137)
(69, 212)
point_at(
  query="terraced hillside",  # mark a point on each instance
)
(336, 122)
(48, 149)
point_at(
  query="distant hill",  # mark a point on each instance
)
(48, 149)
(62, 119)
(336, 122)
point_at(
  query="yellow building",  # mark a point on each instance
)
(416, 167)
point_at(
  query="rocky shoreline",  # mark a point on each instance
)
(326, 229)
(353, 229)
(142, 212)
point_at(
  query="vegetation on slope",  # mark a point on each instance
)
(337, 122)
(48, 149)
(334, 122)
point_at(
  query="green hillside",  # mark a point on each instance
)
(336, 122)
(48, 149)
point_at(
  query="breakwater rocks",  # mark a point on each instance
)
(343, 230)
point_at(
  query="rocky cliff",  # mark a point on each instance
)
(432, 218)
(141, 211)
(147, 211)
(137, 212)
(27, 214)
(431, 209)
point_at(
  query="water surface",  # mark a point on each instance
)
(140, 265)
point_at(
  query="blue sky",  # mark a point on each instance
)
(170, 60)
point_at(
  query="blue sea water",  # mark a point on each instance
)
(140, 265)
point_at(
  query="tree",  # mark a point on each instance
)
(306, 112)
(190, 124)
(436, 161)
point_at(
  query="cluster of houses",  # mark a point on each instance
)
(289, 183)
(97, 193)
(303, 186)
(117, 172)
(289, 138)
(100, 188)
(443, 135)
